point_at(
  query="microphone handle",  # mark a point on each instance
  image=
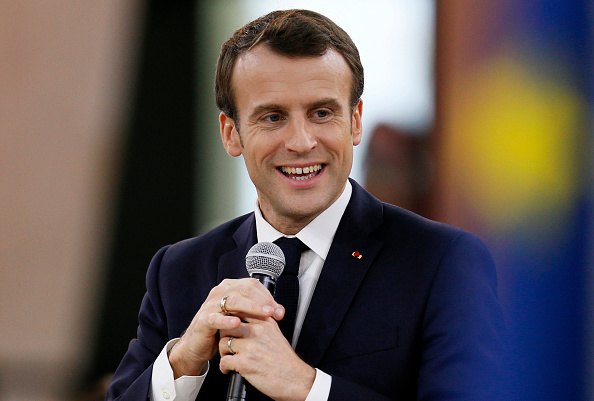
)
(266, 280)
(236, 389)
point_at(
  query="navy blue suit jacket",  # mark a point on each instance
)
(415, 318)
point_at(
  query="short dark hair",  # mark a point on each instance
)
(291, 33)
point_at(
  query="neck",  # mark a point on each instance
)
(288, 225)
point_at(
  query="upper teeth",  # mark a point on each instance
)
(300, 170)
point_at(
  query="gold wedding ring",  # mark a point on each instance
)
(229, 346)
(223, 309)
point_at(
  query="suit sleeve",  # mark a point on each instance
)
(463, 342)
(462, 335)
(132, 379)
(343, 389)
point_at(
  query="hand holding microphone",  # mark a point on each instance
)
(230, 302)
(265, 262)
(249, 314)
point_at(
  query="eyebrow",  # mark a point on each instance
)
(327, 102)
(264, 108)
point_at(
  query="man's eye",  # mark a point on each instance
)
(273, 118)
(321, 113)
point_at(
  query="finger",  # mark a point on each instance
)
(244, 330)
(223, 306)
(232, 362)
(226, 364)
(245, 298)
(228, 349)
(217, 321)
(255, 323)
(228, 345)
(279, 313)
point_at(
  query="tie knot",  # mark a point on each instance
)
(292, 248)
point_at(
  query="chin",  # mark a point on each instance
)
(301, 213)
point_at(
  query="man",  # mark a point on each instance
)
(391, 306)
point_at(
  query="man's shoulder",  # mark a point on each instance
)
(225, 230)
(396, 223)
(425, 234)
(402, 218)
(216, 240)
(404, 225)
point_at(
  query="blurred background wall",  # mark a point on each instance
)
(475, 113)
(65, 80)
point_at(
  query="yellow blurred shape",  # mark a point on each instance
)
(516, 140)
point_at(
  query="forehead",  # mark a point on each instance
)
(261, 75)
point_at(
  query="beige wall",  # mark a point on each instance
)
(65, 70)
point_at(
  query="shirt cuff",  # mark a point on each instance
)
(320, 391)
(165, 388)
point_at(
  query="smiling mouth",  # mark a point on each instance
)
(301, 173)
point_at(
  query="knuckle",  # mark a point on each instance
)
(222, 346)
(210, 319)
(246, 291)
(253, 281)
(223, 364)
(249, 349)
(199, 320)
(259, 330)
(215, 292)
(212, 293)
(226, 283)
(230, 302)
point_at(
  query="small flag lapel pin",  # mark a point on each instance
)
(357, 255)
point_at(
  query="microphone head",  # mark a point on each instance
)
(265, 258)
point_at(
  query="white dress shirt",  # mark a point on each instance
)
(318, 236)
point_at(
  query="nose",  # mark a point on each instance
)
(300, 138)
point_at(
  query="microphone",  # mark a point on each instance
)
(265, 262)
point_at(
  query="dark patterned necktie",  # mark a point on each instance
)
(287, 286)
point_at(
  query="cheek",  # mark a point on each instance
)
(341, 145)
(257, 153)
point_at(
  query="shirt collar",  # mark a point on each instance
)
(318, 234)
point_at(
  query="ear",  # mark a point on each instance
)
(230, 135)
(356, 125)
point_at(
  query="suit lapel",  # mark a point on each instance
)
(232, 263)
(341, 275)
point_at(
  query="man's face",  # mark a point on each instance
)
(296, 132)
